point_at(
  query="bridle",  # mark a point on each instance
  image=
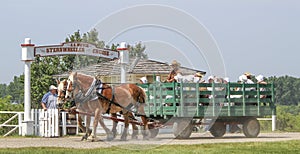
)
(72, 85)
(61, 94)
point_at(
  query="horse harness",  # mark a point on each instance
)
(111, 101)
(98, 85)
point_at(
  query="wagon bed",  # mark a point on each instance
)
(221, 103)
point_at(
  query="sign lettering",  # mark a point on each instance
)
(75, 48)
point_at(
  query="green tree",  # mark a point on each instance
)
(138, 50)
(16, 89)
(77, 62)
(3, 90)
(287, 90)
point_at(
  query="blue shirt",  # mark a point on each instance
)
(50, 100)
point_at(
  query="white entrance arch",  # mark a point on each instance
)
(30, 51)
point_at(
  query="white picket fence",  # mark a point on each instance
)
(46, 123)
(52, 123)
(49, 123)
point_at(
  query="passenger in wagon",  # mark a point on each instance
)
(226, 80)
(242, 79)
(248, 76)
(175, 70)
(143, 80)
(198, 77)
(210, 79)
(260, 80)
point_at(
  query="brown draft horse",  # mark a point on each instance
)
(122, 96)
(62, 88)
(61, 93)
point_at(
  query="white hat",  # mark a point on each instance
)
(175, 63)
(248, 74)
(226, 79)
(199, 74)
(260, 78)
(144, 79)
(210, 77)
(52, 87)
(243, 78)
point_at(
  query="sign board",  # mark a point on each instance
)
(75, 48)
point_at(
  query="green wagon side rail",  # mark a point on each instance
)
(200, 100)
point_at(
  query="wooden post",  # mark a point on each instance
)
(56, 134)
(273, 109)
(63, 119)
(244, 100)
(20, 119)
(27, 57)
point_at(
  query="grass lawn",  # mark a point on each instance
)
(292, 147)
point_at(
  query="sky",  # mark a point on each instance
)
(257, 36)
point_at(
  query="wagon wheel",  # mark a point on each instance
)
(153, 131)
(182, 129)
(251, 127)
(218, 129)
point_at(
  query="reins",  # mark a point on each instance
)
(111, 101)
(84, 97)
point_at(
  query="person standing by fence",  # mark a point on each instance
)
(49, 99)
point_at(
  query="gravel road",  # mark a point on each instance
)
(161, 139)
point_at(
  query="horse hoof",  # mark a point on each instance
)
(146, 138)
(84, 137)
(123, 138)
(134, 137)
(94, 139)
(110, 138)
(89, 132)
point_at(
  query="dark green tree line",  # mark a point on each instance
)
(287, 90)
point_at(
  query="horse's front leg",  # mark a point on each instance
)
(109, 134)
(79, 123)
(145, 132)
(88, 131)
(95, 124)
(135, 129)
(81, 127)
(126, 123)
(115, 123)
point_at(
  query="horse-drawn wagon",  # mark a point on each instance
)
(215, 105)
(182, 105)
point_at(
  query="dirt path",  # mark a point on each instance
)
(162, 139)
